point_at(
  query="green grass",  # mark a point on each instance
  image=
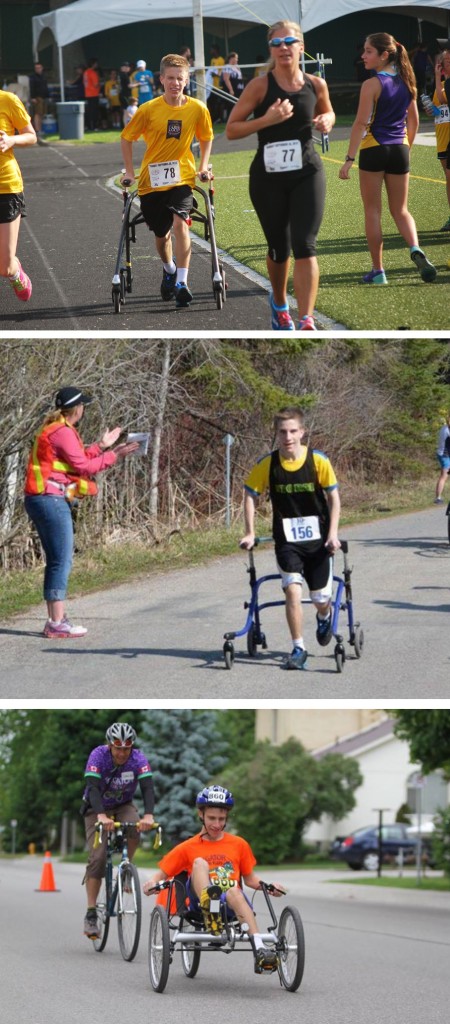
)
(410, 882)
(343, 256)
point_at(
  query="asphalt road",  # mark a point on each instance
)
(68, 245)
(377, 958)
(161, 638)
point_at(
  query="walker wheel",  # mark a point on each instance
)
(339, 654)
(252, 646)
(228, 653)
(116, 300)
(358, 641)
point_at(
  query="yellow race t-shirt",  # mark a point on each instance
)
(168, 132)
(13, 116)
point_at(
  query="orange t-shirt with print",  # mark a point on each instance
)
(228, 858)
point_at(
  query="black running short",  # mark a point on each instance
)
(12, 206)
(158, 208)
(314, 567)
(393, 159)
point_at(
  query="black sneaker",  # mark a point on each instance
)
(426, 269)
(91, 925)
(182, 295)
(266, 961)
(324, 633)
(168, 285)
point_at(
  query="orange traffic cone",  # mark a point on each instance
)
(47, 877)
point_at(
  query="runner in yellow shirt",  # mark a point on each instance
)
(15, 130)
(167, 175)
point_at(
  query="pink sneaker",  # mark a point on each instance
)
(22, 285)
(307, 324)
(63, 630)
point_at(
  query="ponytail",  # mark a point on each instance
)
(383, 42)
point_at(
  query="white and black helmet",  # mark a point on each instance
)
(122, 732)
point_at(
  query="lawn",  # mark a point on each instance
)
(406, 302)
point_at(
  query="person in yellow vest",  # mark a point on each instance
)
(61, 470)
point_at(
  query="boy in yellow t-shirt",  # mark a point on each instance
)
(167, 174)
(15, 130)
(216, 861)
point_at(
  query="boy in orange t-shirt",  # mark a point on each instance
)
(215, 861)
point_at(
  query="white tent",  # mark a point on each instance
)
(83, 18)
(314, 13)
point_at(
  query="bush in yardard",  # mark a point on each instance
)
(441, 841)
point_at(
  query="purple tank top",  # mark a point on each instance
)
(388, 122)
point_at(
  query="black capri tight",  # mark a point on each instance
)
(290, 212)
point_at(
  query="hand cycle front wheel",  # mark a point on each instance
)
(159, 949)
(291, 948)
(129, 910)
(103, 918)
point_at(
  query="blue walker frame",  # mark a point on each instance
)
(342, 602)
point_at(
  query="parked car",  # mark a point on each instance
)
(360, 848)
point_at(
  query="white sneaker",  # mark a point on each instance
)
(63, 630)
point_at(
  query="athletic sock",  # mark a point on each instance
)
(170, 268)
(182, 273)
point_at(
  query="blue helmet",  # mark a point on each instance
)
(215, 796)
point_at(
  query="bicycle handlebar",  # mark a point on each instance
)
(99, 826)
(270, 887)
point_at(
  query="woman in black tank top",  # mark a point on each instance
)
(287, 185)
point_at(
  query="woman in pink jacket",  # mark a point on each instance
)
(60, 471)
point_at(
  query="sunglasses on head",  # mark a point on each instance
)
(119, 744)
(287, 40)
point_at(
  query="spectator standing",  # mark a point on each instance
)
(130, 110)
(144, 81)
(91, 82)
(112, 90)
(77, 86)
(231, 78)
(214, 102)
(441, 99)
(39, 94)
(421, 62)
(124, 83)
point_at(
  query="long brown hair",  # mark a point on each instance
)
(382, 42)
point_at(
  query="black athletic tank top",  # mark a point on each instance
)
(295, 494)
(299, 126)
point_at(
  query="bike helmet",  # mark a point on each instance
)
(120, 734)
(215, 796)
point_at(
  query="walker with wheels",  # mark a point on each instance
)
(173, 926)
(342, 602)
(122, 282)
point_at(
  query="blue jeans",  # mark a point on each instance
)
(52, 518)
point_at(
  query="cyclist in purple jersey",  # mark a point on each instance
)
(385, 128)
(113, 773)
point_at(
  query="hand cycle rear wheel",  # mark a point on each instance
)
(130, 916)
(190, 958)
(291, 948)
(159, 949)
(103, 918)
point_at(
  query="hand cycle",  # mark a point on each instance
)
(187, 934)
(120, 893)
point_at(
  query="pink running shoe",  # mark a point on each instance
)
(63, 630)
(307, 324)
(22, 285)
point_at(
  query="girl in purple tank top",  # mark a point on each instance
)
(384, 129)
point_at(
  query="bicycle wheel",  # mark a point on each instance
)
(291, 948)
(129, 911)
(102, 918)
(159, 949)
(190, 958)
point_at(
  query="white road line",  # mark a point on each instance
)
(50, 273)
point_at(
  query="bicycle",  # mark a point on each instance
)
(120, 893)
